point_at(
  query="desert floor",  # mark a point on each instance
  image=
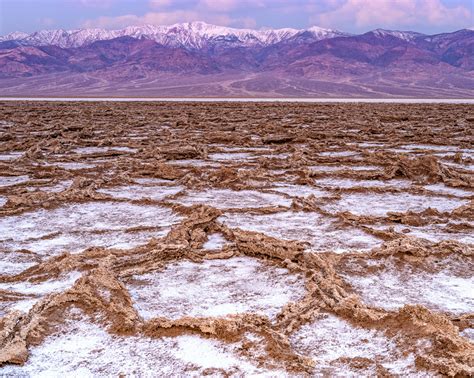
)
(231, 239)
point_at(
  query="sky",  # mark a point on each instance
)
(355, 16)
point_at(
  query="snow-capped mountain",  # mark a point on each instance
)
(405, 35)
(193, 35)
(201, 59)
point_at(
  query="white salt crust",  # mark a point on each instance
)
(234, 156)
(100, 150)
(320, 232)
(330, 339)
(225, 198)
(392, 288)
(34, 291)
(73, 228)
(215, 241)
(194, 163)
(73, 166)
(346, 183)
(443, 189)
(338, 153)
(84, 349)
(337, 168)
(138, 192)
(214, 288)
(300, 190)
(12, 180)
(379, 204)
(433, 232)
(10, 156)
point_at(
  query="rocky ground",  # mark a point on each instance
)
(236, 239)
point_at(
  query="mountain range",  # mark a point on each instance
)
(201, 60)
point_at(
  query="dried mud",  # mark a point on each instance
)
(359, 215)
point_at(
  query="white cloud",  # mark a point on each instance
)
(168, 18)
(392, 13)
(96, 3)
(159, 4)
(231, 5)
(46, 21)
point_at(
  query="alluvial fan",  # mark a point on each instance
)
(236, 239)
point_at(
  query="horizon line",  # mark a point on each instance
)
(261, 29)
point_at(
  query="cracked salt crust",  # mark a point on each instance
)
(345, 183)
(49, 186)
(151, 181)
(443, 189)
(329, 341)
(15, 262)
(56, 188)
(336, 168)
(73, 165)
(12, 180)
(465, 153)
(34, 291)
(215, 241)
(223, 147)
(275, 156)
(124, 149)
(225, 198)
(236, 156)
(338, 153)
(193, 162)
(379, 204)
(392, 288)
(99, 150)
(433, 232)
(432, 147)
(370, 144)
(76, 242)
(75, 227)
(214, 288)
(10, 156)
(84, 349)
(319, 231)
(138, 192)
(300, 190)
(469, 167)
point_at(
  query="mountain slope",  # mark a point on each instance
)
(197, 59)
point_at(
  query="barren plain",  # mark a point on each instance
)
(236, 239)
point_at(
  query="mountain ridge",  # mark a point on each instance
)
(190, 35)
(198, 59)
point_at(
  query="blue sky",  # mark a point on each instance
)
(428, 16)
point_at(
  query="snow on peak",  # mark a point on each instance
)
(323, 33)
(404, 35)
(195, 34)
(13, 36)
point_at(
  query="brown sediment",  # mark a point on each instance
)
(179, 133)
(427, 169)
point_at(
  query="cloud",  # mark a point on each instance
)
(219, 5)
(230, 5)
(159, 4)
(46, 21)
(391, 13)
(349, 15)
(168, 12)
(168, 18)
(96, 3)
